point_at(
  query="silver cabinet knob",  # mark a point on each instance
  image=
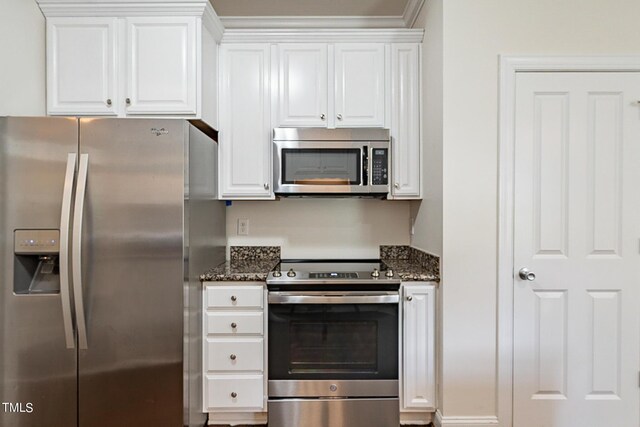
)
(291, 273)
(266, 185)
(409, 298)
(525, 274)
(339, 116)
(234, 298)
(109, 102)
(375, 273)
(232, 357)
(234, 325)
(128, 101)
(322, 116)
(396, 185)
(234, 394)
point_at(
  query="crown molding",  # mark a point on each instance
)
(362, 35)
(411, 11)
(119, 8)
(212, 22)
(301, 22)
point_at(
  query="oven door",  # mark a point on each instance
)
(333, 336)
(316, 168)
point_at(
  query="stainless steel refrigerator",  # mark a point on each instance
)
(105, 226)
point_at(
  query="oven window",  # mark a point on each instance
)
(321, 166)
(333, 341)
(333, 346)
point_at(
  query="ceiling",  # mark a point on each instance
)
(309, 7)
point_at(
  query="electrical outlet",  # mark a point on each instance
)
(243, 227)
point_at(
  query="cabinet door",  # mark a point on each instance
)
(162, 67)
(405, 120)
(245, 131)
(419, 382)
(81, 66)
(302, 85)
(359, 85)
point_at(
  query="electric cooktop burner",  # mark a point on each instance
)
(332, 274)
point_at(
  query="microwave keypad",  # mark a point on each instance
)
(380, 166)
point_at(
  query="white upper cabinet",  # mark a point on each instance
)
(359, 84)
(405, 120)
(161, 66)
(81, 63)
(245, 122)
(302, 94)
(156, 59)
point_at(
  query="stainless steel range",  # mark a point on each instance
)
(333, 344)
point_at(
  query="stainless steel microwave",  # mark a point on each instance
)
(340, 162)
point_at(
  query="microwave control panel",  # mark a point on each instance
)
(380, 169)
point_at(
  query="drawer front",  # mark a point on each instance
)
(248, 389)
(234, 296)
(235, 354)
(225, 323)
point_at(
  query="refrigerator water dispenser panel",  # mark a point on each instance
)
(35, 266)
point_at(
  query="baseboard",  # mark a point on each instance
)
(446, 421)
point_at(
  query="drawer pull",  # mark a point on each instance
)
(233, 357)
(234, 298)
(234, 394)
(234, 325)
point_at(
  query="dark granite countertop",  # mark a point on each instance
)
(411, 270)
(241, 270)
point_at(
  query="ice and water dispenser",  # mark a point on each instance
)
(35, 267)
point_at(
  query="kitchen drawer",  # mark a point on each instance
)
(231, 354)
(245, 323)
(248, 389)
(234, 296)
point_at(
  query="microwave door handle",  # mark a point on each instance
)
(364, 171)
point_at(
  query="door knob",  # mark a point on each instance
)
(525, 274)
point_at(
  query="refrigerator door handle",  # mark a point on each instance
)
(76, 250)
(65, 223)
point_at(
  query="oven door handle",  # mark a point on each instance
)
(332, 298)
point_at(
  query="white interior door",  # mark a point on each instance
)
(577, 227)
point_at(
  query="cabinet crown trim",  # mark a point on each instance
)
(85, 8)
(323, 36)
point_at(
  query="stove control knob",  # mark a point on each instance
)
(291, 273)
(375, 273)
(277, 273)
(389, 273)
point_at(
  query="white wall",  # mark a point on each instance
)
(475, 33)
(22, 59)
(428, 212)
(321, 228)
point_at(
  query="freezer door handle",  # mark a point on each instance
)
(65, 223)
(76, 250)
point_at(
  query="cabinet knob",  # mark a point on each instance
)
(266, 185)
(396, 185)
(232, 357)
(339, 116)
(234, 394)
(409, 298)
(322, 116)
(234, 298)
(109, 102)
(128, 101)
(234, 325)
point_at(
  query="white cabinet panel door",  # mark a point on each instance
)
(303, 85)
(359, 84)
(577, 323)
(405, 120)
(418, 379)
(161, 65)
(81, 66)
(245, 131)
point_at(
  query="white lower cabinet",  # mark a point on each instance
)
(418, 361)
(234, 362)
